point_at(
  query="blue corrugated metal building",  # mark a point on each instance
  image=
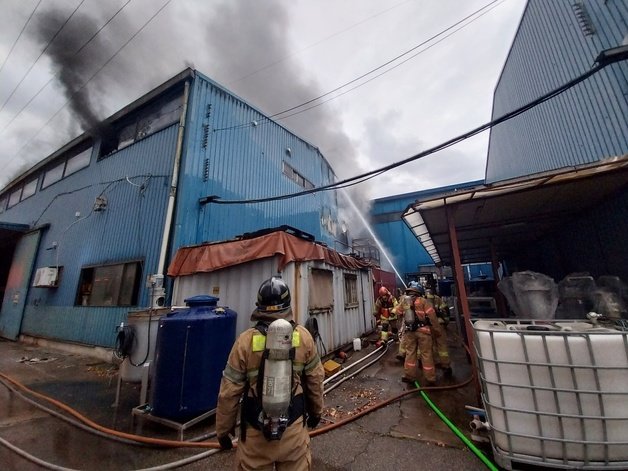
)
(89, 224)
(407, 255)
(555, 43)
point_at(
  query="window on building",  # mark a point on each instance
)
(296, 177)
(3, 204)
(53, 175)
(321, 290)
(77, 162)
(142, 123)
(14, 197)
(351, 290)
(29, 189)
(110, 285)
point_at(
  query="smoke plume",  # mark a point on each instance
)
(260, 38)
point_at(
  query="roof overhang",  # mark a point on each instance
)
(512, 214)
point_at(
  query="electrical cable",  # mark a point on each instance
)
(363, 75)
(79, 89)
(432, 150)
(393, 67)
(55, 75)
(19, 35)
(268, 66)
(41, 54)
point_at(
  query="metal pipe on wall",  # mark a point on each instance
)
(174, 182)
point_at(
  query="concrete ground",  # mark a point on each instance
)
(404, 435)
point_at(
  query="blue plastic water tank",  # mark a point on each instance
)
(193, 345)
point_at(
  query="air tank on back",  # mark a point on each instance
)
(193, 345)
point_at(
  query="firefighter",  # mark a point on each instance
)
(439, 332)
(275, 369)
(419, 315)
(383, 312)
(401, 353)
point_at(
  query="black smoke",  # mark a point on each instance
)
(247, 35)
(76, 56)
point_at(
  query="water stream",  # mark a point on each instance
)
(372, 234)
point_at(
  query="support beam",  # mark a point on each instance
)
(462, 293)
(500, 301)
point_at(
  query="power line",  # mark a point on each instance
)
(269, 118)
(337, 33)
(359, 178)
(41, 54)
(391, 68)
(94, 74)
(20, 35)
(54, 76)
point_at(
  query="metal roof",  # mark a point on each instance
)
(514, 213)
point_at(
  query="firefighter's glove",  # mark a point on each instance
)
(313, 421)
(225, 442)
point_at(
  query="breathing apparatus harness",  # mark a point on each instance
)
(411, 318)
(274, 406)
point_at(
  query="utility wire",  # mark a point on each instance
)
(364, 74)
(94, 75)
(41, 54)
(337, 33)
(358, 179)
(55, 76)
(19, 35)
(370, 79)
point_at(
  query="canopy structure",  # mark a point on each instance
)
(499, 219)
(211, 257)
(487, 223)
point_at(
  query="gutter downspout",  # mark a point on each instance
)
(174, 182)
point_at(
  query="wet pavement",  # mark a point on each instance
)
(405, 434)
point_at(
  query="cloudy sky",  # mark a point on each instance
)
(395, 78)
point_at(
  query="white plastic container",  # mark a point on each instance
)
(357, 344)
(553, 394)
(145, 324)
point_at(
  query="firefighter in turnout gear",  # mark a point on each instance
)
(439, 333)
(418, 316)
(383, 310)
(275, 369)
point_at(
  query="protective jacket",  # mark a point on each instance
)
(440, 306)
(384, 308)
(241, 376)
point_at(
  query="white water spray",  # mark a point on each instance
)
(372, 233)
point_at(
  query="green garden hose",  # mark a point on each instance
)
(455, 429)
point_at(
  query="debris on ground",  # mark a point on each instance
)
(30, 361)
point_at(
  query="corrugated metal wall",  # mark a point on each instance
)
(237, 287)
(130, 228)
(399, 241)
(586, 123)
(226, 155)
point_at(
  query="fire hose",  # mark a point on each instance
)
(91, 426)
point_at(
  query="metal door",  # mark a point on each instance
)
(17, 285)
